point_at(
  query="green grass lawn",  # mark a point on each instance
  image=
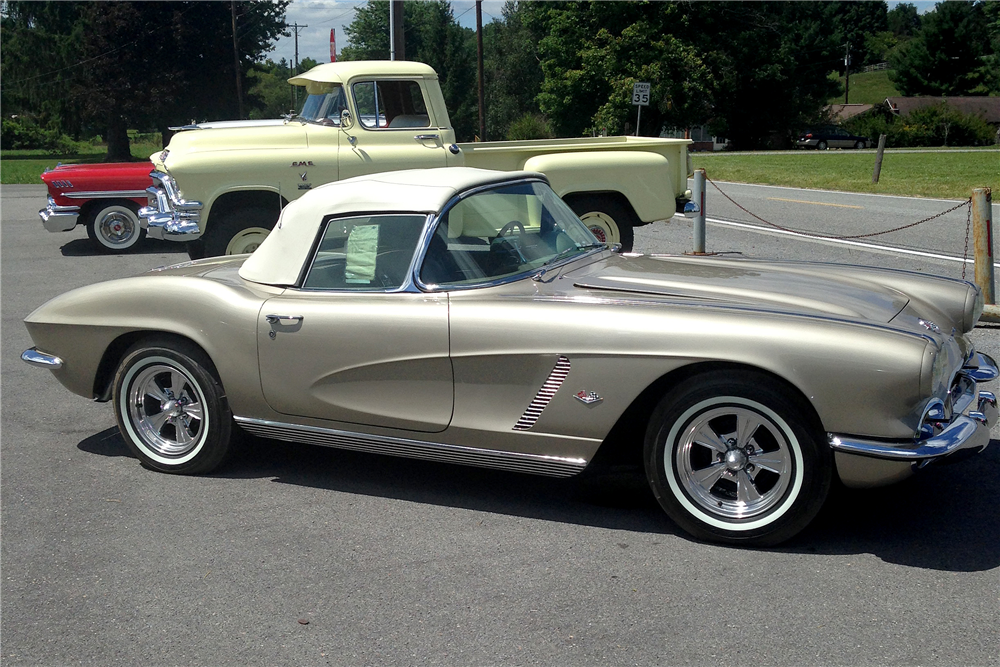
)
(27, 166)
(867, 88)
(948, 175)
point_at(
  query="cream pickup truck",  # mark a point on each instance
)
(221, 190)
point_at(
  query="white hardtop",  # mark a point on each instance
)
(343, 71)
(280, 258)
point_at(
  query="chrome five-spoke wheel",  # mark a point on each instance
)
(166, 407)
(171, 409)
(737, 457)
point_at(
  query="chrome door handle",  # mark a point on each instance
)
(427, 137)
(277, 319)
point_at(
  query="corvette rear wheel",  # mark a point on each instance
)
(171, 410)
(113, 226)
(732, 459)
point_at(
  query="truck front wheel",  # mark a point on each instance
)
(238, 231)
(609, 220)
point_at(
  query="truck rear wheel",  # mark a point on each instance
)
(238, 231)
(609, 220)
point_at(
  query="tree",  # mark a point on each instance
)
(903, 20)
(138, 64)
(432, 36)
(945, 56)
(513, 74)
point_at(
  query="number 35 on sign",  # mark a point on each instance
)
(640, 94)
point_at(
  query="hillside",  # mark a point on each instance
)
(866, 88)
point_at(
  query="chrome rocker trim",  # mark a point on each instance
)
(168, 217)
(965, 431)
(41, 359)
(550, 466)
(56, 218)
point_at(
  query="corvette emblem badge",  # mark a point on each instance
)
(588, 397)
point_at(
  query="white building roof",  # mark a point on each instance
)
(280, 258)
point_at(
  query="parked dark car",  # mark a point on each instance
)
(822, 138)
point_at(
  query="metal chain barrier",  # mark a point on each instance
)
(967, 202)
(968, 226)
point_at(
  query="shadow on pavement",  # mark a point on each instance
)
(147, 246)
(942, 519)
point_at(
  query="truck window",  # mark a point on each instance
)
(324, 103)
(390, 104)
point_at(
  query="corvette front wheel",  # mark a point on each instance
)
(731, 458)
(171, 410)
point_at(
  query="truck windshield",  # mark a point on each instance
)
(324, 103)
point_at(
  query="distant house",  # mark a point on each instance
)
(838, 113)
(988, 108)
(702, 139)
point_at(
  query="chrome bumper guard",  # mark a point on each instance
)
(968, 431)
(167, 216)
(35, 358)
(56, 218)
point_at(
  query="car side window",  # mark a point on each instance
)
(390, 104)
(372, 253)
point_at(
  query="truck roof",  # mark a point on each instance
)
(342, 71)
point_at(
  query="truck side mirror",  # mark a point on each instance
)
(345, 120)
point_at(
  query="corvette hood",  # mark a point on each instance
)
(788, 287)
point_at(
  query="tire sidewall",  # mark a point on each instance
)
(101, 211)
(214, 437)
(799, 503)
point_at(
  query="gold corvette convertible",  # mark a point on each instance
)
(469, 316)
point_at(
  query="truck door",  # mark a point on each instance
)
(392, 130)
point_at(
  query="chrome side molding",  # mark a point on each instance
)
(550, 466)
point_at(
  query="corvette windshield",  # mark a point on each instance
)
(501, 232)
(324, 103)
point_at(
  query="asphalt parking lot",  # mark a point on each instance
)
(301, 555)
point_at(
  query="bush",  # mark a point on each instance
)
(20, 132)
(938, 125)
(530, 126)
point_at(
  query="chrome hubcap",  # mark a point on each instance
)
(734, 462)
(117, 228)
(166, 408)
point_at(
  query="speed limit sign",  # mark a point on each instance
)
(640, 94)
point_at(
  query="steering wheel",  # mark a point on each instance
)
(511, 226)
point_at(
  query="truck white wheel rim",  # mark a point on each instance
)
(603, 226)
(246, 241)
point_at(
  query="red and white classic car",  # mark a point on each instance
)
(105, 197)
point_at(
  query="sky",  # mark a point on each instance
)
(321, 15)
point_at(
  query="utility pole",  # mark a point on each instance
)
(397, 48)
(295, 69)
(236, 60)
(479, 59)
(847, 74)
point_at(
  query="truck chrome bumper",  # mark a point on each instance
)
(167, 216)
(969, 429)
(56, 218)
(35, 358)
